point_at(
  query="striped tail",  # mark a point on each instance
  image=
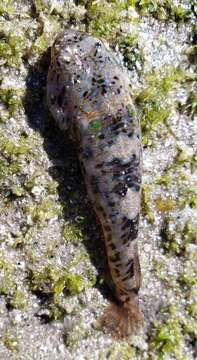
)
(122, 319)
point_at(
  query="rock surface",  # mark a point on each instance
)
(52, 263)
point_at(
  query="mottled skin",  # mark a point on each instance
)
(89, 94)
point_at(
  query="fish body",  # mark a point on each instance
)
(89, 94)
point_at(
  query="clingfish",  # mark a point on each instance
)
(89, 94)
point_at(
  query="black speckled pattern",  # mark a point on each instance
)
(89, 94)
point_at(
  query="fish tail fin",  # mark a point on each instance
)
(122, 319)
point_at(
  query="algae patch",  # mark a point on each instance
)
(165, 204)
(10, 340)
(168, 339)
(176, 237)
(11, 49)
(153, 99)
(7, 279)
(45, 210)
(163, 10)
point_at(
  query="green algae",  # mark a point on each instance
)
(15, 297)
(190, 328)
(17, 190)
(56, 312)
(133, 56)
(184, 322)
(165, 204)
(127, 43)
(52, 187)
(89, 273)
(188, 278)
(54, 9)
(123, 351)
(41, 43)
(188, 196)
(75, 334)
(8, 169)
(42, 5)
(14, 149)
(183, 156)
(3, 169)
(163, 179)
(131, 110)
(46, 35)
(190, 107)
(190, 232)
(159, 268)
(179, 13)
(192, 308)
(12, 47)
(163, 80)
(72, 232)
(168, 339)
(12, 99)
(58, 283)
(43, 279)
(33, 179)
(192, 302)
(10, 148)
(176, 237)
(191, 104)
(191, 52)
(7, 279)
(19, 300)
(146, 203)
(111, 13)
(23, 238)
(95, 126)
(44, 211)
(153, 99)
(70, 282)
(10, 340)
(175, 175)
(37, 180)
(104, 19)
(51, 279)
(163, 10)
(153, 114)
(6, 7)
